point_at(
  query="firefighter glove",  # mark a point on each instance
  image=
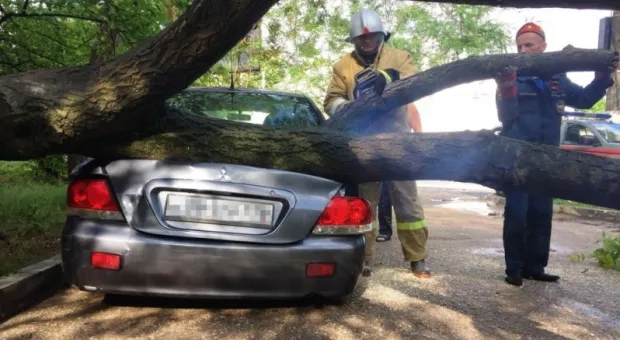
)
(385, 77)
(612, 69)
(341, 106)
(506, 80)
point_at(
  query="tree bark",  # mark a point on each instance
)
(32, 126)
(578, 4)
(116, 109)
(474, 157)
(44, 110)
(613, 94)
(362, 114)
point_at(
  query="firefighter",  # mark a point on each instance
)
(385, 203)
(531, 109)
(367, 34)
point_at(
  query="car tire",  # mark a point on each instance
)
(357, 292)
(342, 300)
(114, 299)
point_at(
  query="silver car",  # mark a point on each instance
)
(147, 227)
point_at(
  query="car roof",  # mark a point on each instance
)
(246, 90)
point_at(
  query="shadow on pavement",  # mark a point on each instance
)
(466, 299)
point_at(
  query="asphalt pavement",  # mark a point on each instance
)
(466, 298)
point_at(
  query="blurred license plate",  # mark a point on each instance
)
(212, 209)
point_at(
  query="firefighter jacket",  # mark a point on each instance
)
(342, 83)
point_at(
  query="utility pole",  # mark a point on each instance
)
(609, 38)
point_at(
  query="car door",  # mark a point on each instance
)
(577, 136)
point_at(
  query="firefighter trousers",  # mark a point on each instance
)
(410, 222)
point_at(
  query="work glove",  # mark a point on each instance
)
(385, 77)
(612, 69)
(341, 106)
(506, 81)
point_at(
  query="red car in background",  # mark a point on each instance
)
(592, 133)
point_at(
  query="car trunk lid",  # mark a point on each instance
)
(219, 201)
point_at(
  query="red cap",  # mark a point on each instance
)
(531, 27)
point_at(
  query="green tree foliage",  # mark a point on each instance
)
(598, 107)
(607, 255)
(295, 44)
(302, 39)
(58, 33)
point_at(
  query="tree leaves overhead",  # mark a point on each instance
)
(57, 33)
(297, 42)
(305, 38)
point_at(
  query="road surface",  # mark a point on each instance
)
(466, 298)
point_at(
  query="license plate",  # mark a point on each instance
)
(191, 208)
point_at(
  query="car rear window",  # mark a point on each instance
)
(274, 110)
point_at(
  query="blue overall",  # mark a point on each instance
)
(535, 115)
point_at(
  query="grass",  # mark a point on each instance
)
(560, 201)
(607, 255)
(32, 214)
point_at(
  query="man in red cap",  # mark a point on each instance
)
(531, 39)
(531, 110)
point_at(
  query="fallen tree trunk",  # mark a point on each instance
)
(94, 110)
(474, 157)
(362, 114)
(32, 126)
(43, 110)
(577, 4)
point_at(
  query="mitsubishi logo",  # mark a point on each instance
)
(223, 176)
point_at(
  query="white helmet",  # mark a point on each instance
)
(364, 22)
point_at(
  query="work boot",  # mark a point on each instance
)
(383, 238)
(543, 277)
(420, 269)
(515, 280)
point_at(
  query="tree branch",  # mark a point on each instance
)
(23, 14)
(81, 104)
(573, 4)
(362, 114)
(474, 157)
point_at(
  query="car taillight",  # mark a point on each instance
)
(92, 198)
(105, 261)
(345, 216)
(320, 269)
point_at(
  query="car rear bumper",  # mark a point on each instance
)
(176, 267)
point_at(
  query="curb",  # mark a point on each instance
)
(29, 286)
(497, 202)
(599, 214)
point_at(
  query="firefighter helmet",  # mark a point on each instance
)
(364, 22)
